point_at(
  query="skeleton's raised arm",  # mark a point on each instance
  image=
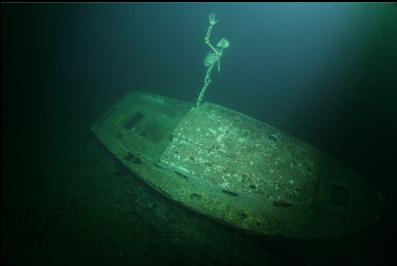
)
(212, 21)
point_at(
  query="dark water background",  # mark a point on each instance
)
(325, 73)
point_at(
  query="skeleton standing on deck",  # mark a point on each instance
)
(212, 58)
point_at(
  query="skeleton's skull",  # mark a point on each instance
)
(223, 44)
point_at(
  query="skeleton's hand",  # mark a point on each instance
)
(213, 19)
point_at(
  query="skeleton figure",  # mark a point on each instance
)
(213, 57)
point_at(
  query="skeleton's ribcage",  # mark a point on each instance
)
(210, 59)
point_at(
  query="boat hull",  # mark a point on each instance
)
(236, 169)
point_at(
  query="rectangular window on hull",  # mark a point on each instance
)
(134, 120)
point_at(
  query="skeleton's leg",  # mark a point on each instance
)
(207, 81)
